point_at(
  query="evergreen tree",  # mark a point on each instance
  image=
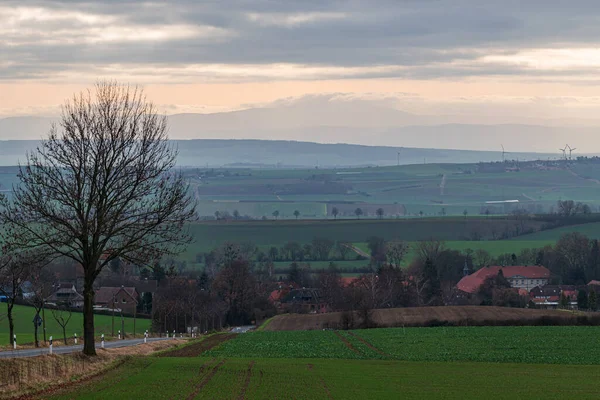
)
(564, 301)
(582, 300)
(593, 262)
(434, 290)
(593, 300)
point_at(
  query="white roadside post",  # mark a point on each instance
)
(50, 345)
(102, 341)
(14, 342)
(119, 335)
(173, 333)
(146, 337)
(75, 338)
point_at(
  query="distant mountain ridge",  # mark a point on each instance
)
(331, 119)
(271, 153)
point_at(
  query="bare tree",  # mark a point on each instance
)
(358, 212)
(16, 266)
(429, 249)
(103, 186)
(343, 249)
(41, 285)
(62, 315)
(396, 251)
(335, 212)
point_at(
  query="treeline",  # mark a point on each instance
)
(319, 249)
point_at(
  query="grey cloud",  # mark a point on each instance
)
(412, 34)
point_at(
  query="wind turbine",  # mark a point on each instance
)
(503, 152)
(564, 151)
(570, 151)
(399, 156)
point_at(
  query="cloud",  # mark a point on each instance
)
(239, 41)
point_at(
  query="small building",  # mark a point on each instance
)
(305, 300)
(124, 298)
(66, 293)
(520, 277)
(549, 296)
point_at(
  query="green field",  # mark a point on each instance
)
(23, 317)
(208, 235)
(543, 345)
(494, 247)
(231, 378)
(592, 230)
(453, 363)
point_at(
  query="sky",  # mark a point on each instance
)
(504, 59)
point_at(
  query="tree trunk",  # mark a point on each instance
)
(35, 331)
(44, 321)
(65, 334)
(89, 342)
(11, 322)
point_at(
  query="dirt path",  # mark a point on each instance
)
(206, 379)
(242, 395)
(311, 368)
(369, 345)
(196, 349)
(596, 181)
(346, 342)
(528, 197)
(357, 250)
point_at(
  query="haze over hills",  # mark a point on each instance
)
(331, 120)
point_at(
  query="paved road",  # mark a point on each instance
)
(73, 349)
(242, 329)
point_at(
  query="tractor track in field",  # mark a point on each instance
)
(196, 349)
(369, 345)
(242, 395)
(206, 379)
(311, 368)
(346, 342)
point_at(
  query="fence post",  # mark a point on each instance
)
(75, 338)
(15, 341)
(102, 340)
(50, 345)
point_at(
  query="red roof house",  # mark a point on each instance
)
(519, 277)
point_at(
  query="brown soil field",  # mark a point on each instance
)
(429, 316)
(195, 349)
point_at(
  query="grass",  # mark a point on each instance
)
(23, 317)
(205, 378)
(543, 345)
(494, 247)
(592, 230)
(210, 234)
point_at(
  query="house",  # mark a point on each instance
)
(124, 298)
(549, 296)
(65, 293)
(305, 300)
(519, 277)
